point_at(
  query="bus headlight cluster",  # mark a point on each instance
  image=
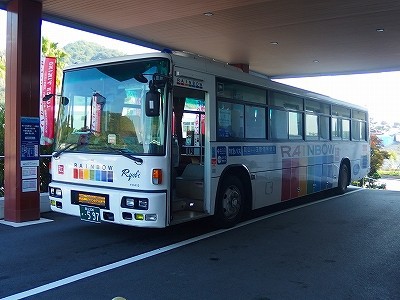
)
(55, 192)
(135, 203)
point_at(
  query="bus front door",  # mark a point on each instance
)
(187, 196)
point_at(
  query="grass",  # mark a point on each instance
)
(392, 173)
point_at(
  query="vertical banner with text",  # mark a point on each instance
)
(97, 104)
(48, 87)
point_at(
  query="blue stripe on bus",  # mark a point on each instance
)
(259, 150)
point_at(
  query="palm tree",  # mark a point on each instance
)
(2, 65)
(51, 49)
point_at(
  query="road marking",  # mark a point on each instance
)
(133, 259)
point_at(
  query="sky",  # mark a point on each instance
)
(379, 92)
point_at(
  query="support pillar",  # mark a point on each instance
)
(22, 100)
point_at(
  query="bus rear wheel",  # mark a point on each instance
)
(230, 202)
(343, 181)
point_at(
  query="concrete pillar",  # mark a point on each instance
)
(22, 100)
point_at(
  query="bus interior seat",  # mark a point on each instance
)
(191, 183)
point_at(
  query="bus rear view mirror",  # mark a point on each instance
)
(153, 103)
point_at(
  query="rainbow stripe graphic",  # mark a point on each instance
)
(306, 175)
(93, 175)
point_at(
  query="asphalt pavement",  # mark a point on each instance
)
(345, 247)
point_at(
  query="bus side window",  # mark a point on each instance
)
(279, 126)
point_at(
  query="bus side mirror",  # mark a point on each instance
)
(153, 103)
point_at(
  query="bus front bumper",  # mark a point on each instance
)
(100, 205)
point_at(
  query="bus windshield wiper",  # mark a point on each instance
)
(128, 154)
(71, 146)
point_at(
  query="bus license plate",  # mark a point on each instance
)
(90, 213)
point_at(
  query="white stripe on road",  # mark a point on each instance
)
(133, 259)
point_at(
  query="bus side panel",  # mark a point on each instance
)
(318, 176)
(295, 179)
(286, 179)
(303, 181)
(268, 188)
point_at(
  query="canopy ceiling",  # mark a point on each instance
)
(279, 38)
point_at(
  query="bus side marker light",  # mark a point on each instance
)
(156, 176)
(139, 217)
(151, 217)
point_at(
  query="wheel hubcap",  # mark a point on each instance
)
(231, 202)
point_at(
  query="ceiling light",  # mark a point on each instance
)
(274, 43)
(208, 14)
(316, 61)
(380, 30)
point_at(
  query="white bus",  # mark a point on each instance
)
(159, 139)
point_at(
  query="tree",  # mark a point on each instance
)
(2, 64)
(2, 76)
(377, 156)
(82, 51)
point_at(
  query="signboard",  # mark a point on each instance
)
(30, 138)
(221, 155)
(29, 185)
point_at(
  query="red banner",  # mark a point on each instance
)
(96, 115)
(48, 86)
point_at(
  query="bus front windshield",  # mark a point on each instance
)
(102, 109)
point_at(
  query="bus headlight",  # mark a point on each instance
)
(135, 203)
(143, 204)
(55, 192)
(130, 202)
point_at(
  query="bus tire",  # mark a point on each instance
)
(343, 181)
(230, 202)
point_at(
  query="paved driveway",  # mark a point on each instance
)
(345, 247)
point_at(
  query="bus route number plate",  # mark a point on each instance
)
(90, 213)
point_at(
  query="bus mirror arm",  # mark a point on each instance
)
(64, 100)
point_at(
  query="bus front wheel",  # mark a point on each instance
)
(230, 202)
(343, 181)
